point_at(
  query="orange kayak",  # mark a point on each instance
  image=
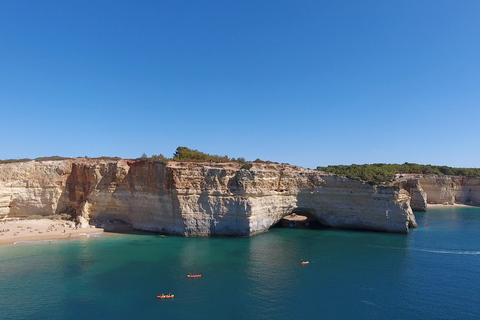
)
(305, 262)
(165, 296)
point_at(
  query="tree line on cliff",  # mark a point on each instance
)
(181, 154)
(192, 155)
(379, 173)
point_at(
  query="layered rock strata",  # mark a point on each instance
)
(418, 196)
(435, 189)
(198, 198)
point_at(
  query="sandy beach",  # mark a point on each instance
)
(295, 217)
(447, 205)
(16, 230)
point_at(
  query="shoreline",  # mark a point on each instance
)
(22, 231)
(16, 230)
(439, 205)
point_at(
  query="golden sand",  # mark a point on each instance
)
(15, 230)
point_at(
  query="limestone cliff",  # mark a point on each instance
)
(418, 197)
(440, 189)
(198, 198)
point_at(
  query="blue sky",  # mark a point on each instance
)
(303, 82)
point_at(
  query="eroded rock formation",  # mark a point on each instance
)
(418, 201)
(435, 189)
(197, 198)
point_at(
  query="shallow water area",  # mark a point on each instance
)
(429, 274)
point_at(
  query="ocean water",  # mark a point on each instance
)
(432, 273)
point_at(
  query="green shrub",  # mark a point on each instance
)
(247, 166)
(52, 158)
(186, 154)
(15, 160)
(384, 173)
(159, 159)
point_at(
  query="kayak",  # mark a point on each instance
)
(165, 296)
(194, 275)
(305, 262)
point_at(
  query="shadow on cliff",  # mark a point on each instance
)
(74, 193)
(76, 196)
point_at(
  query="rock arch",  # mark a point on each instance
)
(302, 218)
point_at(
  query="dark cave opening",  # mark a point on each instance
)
(300, 218)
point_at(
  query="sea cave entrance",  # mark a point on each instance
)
(300, 218)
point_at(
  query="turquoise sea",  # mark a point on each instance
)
(432, 273)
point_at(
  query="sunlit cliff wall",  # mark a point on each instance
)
(197, 198)
(435, 189)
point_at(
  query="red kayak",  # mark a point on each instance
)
(194, 275)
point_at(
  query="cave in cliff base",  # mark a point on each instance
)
(299, 221)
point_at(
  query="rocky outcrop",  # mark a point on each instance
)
(436, 189)
(418, 196)
(198, 198)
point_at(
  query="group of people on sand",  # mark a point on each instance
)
(15, 230)
(50, 228)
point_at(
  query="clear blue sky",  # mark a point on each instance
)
(304, 82)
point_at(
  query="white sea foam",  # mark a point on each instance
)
(369, 303)
(467, 252)
(441, 251)
(94, 235)
(34, 241)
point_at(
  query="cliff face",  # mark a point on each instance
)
(418, 196)
(198, 198)
(440, 189)
(32, 188)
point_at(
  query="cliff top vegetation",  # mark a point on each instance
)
(380, 173)
(181, 154)
(190, 155)
(52, 158)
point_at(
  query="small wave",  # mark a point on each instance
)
(467, 252)
(441, 251)
(369, 303)
(34, 241)
(94, 235)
